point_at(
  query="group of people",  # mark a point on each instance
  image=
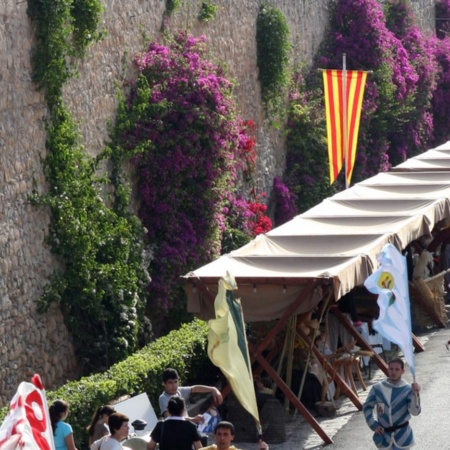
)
(105, 422)
(393, 400)
(176, 430)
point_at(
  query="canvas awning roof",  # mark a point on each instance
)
(335, 242)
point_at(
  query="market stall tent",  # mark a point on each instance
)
(335, 242)
(330, 248)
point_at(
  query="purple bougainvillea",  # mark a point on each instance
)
(181, 127)
(405, 107)
(285, 208)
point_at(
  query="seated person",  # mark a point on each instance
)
(175, 432)
(224, 435)
(262, 393)
(172, 389)
(316, 366)
(322, 344)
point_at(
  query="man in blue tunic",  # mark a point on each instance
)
(395, 401)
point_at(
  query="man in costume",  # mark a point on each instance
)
(395, 401)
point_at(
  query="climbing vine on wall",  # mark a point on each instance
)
(273, 47)
(102, 289)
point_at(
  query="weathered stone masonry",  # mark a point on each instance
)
(30, 342)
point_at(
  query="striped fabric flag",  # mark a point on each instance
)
(390, 282)
(227, 346)
(27, 425)
(334, 109)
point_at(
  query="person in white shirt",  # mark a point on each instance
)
(170, 381)
(119, 428)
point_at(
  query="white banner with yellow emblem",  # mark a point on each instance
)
(390, 282)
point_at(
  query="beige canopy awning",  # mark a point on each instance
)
(335, 242)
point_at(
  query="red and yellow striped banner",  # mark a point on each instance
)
(334, 108)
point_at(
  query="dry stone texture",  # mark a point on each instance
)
(30, 342)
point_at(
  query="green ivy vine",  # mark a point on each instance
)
(102, 290)
(172, 5)
(273, 48)
(207, 11)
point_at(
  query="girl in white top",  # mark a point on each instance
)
(118, 425)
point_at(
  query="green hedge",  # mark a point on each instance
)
(183, 349)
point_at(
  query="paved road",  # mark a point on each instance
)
(348, 429)
(432, 427)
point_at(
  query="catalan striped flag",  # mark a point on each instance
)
(334, 106)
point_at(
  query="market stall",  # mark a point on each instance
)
(329, 250)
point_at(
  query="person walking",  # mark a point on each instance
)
(395, 401)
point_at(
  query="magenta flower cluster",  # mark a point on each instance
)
(284, 201)
(185, 131)
(189, 146)
(406, 107)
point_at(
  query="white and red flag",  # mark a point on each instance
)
(27, 425)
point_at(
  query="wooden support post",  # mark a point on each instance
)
(332, 372)
(359, 339)
(255, 354)
(292, 398)
(418, 346)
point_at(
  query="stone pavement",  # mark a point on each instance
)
(300, 435)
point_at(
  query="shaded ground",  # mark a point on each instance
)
(348, 429)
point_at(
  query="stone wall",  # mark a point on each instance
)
(30, 342)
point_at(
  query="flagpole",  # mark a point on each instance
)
(344, 113)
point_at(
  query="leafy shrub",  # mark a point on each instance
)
(183, 349)
(101, 291)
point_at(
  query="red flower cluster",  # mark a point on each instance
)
(247, 142)
(263, 225)
(259, 223)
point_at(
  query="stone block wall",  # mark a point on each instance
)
(30, 342)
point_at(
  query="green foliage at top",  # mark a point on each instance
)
(86, 17)
(273, 47)
(207, 11)
(183, 349)
(63, 30)
(172, 5)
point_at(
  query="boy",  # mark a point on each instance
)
(171, 389)
(395, 401)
